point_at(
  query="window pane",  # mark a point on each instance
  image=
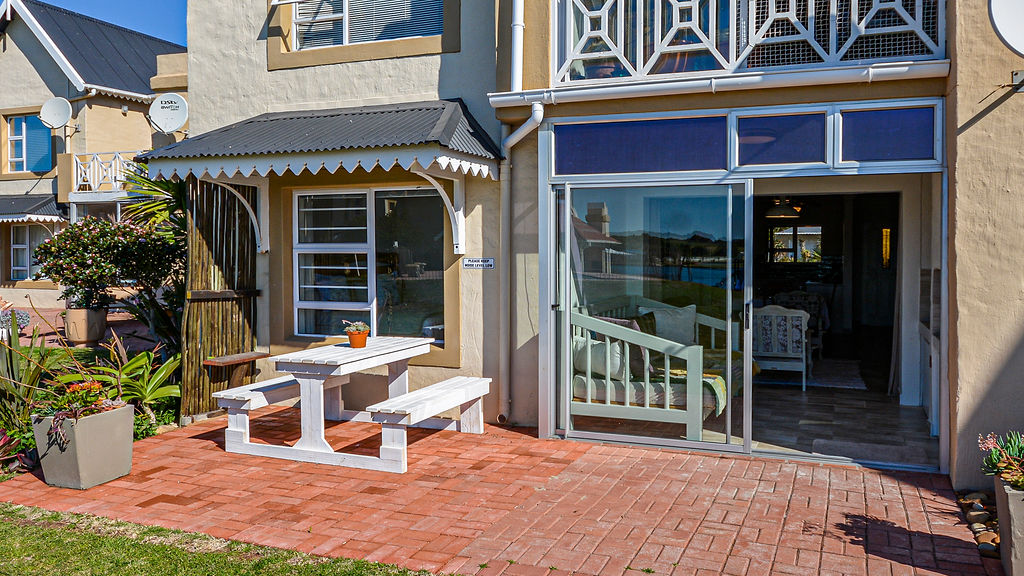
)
(313, 9)
(333, 278)
(19, 235)
(646, 146)
(19, 257)
(782, 139)
(809, 242)
(328, 322)
(896, 134)
(103, 211)
(332, 219)
(17, 126)
(410, 263)
(17, 166)
(321, 34)
(17, 149)
(371, 20)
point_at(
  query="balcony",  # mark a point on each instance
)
(608, 41)
(102, 173)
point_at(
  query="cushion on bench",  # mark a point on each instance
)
(421, 404)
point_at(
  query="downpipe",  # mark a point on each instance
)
(508, 141)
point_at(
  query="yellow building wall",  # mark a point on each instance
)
(112, 125)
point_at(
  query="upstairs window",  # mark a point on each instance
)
(323, 23)
(29, 145)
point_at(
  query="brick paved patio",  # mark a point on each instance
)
(474, 504)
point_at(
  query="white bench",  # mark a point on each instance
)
(241, 400)
(396, 414)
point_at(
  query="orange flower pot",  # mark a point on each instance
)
(357, 339)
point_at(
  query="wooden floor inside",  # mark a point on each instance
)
(863, 425)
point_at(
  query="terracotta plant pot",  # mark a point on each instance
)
(98, 450)
(357, 339)
(84, 327)
(1010, 511)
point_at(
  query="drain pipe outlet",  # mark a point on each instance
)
(505, 272)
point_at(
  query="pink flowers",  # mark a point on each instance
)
(987, 443)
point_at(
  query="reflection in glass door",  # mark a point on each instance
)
(653, 285)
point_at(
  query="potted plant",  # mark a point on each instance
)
(1005, 461)
(82, 259)
(357, 333)
(83, 432)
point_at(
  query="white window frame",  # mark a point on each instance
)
(333, 17)
(11, 139)
(364, 248)
(369, 249)
(27, 247)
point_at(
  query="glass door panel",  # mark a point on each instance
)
(652, 290)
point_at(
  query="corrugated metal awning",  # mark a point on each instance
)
(414, 136)
(41, 208)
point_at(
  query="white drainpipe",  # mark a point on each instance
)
(505, 272)
(518, 28)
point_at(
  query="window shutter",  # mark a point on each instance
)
(38, 146)
(371, 20)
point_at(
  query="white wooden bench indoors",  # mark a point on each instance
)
(395, 415)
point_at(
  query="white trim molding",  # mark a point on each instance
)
(413, 158)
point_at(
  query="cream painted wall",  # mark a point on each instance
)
(109, 129)
(229, 80)
(986, 280)
(22, 57)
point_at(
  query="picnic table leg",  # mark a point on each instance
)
(311, 393)
(393, 445)
(398, 378)
(334, 405)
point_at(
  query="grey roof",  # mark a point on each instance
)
(30, 204)
(102, 53)
(444, 122)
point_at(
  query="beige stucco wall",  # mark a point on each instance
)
(229, 80)
(986, 276)
(473, 295)
(109, 128)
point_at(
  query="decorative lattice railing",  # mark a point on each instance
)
(601, 39)
(103, 172)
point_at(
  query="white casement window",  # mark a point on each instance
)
(16, 144)
(375, 256)
(24, 241)
(323, 23)
(29, 145)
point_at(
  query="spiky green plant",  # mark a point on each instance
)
(1004, 458)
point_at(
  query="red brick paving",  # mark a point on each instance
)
(508, 503)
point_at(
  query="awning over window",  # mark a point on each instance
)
(30, 208)
(414, 136)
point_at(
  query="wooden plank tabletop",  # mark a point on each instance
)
(341, 354)
(235, 359)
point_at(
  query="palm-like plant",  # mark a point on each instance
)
(164, 208)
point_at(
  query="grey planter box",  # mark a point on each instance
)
(99, 449)
(1010, 509)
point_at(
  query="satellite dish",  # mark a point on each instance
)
(55, 113)
(1008, 20)
(168, 112)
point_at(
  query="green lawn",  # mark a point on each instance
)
(35, 541)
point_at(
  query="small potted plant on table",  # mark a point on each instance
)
(1005, 461)
(357, 333)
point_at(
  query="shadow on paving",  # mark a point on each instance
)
(936, 553)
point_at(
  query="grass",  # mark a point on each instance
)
(37, 541)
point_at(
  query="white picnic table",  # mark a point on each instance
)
(311, 368)
(316, 376)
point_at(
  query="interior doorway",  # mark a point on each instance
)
(830, 265)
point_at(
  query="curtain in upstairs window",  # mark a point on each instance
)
(38, 146)
(371, 20)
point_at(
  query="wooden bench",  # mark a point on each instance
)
(241, 400)
(396, 414)
(239, 363)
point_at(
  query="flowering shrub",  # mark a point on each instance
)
(20, 315)
(77, 400)
(90, 256)
(1005, 457)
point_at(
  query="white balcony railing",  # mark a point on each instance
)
(103, 172)
(604, 40)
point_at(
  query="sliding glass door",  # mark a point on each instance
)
(652, 290)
